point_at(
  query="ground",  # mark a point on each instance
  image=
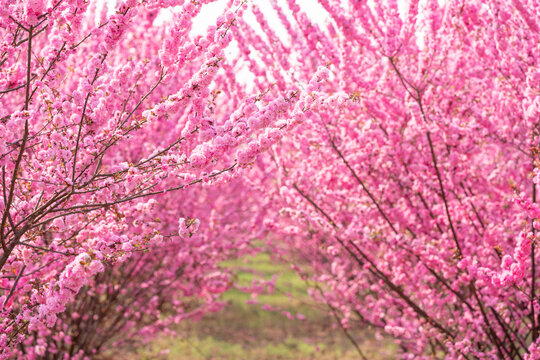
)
(246, 331)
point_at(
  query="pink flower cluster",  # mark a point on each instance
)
(71, 280)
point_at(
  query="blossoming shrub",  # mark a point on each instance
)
(414, 201)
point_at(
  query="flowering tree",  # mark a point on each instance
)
(109, 124)
(415, 201)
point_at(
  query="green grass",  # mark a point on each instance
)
(245, 331)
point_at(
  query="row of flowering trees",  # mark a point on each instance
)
(392, 150)
(110, 129)
(415, 202)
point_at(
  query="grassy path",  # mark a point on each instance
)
(245, 331)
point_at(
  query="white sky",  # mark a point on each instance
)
(210, 12)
